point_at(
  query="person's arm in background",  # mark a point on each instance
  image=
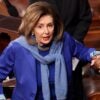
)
(85, 18)
(11, 9)
(20, 6)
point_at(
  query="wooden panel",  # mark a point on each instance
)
(93, 37)
(9, 22)
(9, 25)
(13, 34)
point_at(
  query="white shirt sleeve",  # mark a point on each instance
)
(2, 97)
(94, 53)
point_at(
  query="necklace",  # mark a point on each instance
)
(44, 47)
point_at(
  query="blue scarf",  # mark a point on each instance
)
(60, 68)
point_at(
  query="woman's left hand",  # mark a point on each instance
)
(96, 62)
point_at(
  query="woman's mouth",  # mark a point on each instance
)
(46, 38)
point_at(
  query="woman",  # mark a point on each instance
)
(41, 57)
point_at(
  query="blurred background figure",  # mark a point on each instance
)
(11, 9)
(16, 7)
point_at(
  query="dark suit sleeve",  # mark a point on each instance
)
(85, 17)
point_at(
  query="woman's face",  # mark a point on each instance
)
(44, 30)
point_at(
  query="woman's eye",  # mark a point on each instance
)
(50, 25)
(39, 26)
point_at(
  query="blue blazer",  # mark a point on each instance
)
(20, 60)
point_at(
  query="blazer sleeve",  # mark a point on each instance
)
(6, 64)
(85, 18)
(77, 49)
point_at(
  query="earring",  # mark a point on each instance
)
(33, 36)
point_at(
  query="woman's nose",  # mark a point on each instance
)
(46, 31)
